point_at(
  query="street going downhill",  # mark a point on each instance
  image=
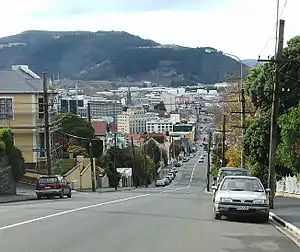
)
(175, 218)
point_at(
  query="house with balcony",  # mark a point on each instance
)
(22, 110)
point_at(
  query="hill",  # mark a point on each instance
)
(113, 56)
(251, 62)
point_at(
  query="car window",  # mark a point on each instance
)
(242, 184)
(233, 173)
(48, 180)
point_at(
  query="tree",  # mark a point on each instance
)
(175, 146)
(160, 106)
(256, 145)
(77, 150)
(289, 148)
(124, 159)
(13, 154)
(233, 157)
(75, 125)
(259, 83)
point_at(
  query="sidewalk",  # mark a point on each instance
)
(16, 198)
(288, 209)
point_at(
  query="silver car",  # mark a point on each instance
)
(241, 196)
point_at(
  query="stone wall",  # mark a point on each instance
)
(7, 182)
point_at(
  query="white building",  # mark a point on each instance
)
(134, 120)
(169, 100)
(159, 126)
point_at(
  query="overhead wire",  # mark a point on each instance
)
(275, 28)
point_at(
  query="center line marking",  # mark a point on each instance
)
(71, 211)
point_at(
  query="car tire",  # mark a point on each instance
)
(217, 216)
(265, 218)
(69, 194)
(39, 197)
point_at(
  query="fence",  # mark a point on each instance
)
(288, 185)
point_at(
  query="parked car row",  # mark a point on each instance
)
(170, 176)
(238, 194)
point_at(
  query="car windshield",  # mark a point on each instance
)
(242, 184)
(233, 173)
(49, 180)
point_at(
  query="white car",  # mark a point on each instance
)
(241, 196)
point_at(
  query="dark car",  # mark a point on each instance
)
(229, 171)
(50, 186)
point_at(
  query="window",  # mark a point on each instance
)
(242, 184)
(41, 108)
(6, 108)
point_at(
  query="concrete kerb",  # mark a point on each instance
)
(287, 226)
(29, 198)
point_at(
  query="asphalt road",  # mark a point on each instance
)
(177, 218)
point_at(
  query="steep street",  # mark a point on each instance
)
(176, 218)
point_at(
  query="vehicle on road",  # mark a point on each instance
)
(241, 196)
(54, 185)
(178, 164)
(228, 171)
(201, 159)
(185, 159)
(160, 182)
(174, 170)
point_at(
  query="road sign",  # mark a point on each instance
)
(38, 150)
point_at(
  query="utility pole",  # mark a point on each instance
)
(91, 150)
(47, 124)
(208, 163)
(133, 164)
(115, 168)
(243, 116)
(223, 140)
(145, 164)
(275, 106)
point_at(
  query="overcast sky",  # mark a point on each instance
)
(240, 27)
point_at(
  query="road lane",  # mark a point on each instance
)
(178, 220)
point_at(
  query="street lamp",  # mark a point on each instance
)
(243, 107)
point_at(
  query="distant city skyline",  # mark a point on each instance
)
(241, 27)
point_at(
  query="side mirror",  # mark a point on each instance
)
(268, 190)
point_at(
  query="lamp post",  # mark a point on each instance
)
(243, 103)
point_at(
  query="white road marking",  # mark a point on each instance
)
(176, 189)
(192, 174)
(71, 211)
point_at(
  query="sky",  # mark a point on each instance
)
(244, 28)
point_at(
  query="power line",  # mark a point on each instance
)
(275, 28)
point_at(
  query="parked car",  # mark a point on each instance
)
(54, 185)
(160, 182)
(178, 164)
(185, 159)
(241, 196)
(201, 159)
(228, 171)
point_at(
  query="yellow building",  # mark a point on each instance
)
(21, 109)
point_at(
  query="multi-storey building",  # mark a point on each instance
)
(134, 120)
(159, 126)
(106, 109)
(22, 110)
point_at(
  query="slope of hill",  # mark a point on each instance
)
(251, 62)
(113, 56)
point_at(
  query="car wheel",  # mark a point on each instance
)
(39, 196)
(217, 216)
(265, 218)
(69, 194)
